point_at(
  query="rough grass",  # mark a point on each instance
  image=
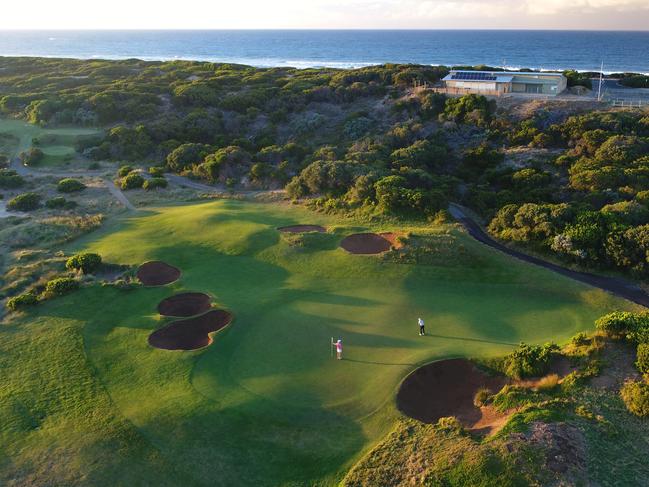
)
(418, 454)
(264, 404)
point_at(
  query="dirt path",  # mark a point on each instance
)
(119, 195)
(617, 286)
(218, 189)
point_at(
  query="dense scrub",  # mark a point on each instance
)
(361, 140)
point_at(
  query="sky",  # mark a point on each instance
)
(326, 14)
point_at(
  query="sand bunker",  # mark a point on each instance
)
(368, 243)
(184, 304)
(447, 388)
(157, 273)
(190, 334)
(302, 229)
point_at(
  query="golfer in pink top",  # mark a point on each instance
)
(339, 349)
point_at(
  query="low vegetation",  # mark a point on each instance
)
(368, 153)
(85, 262)
(24, 202)
(60, 286)
(529, 360)
(70, 185)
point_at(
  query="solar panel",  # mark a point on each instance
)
(474, 76)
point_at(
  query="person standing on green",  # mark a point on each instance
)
(422, 331)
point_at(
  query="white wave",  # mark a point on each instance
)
(294, 63)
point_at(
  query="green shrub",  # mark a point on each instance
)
(85, 262)
(580, 339)
(642, 358)
(70, 185)
(124, 170)
(640, 331)
(157, 171)
(10, 179)
(60, 202)
(617, 323)
(529, 360)
(155, 183)
(24, 202)
(635, 395)
(21, 301)
(61, 286)
(132, 181)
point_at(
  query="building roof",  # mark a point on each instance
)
(478, 76)
(495, 76)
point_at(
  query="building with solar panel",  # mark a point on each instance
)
(501, 82)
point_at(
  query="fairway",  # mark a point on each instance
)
(265, 404)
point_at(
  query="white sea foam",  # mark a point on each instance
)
(289, 63)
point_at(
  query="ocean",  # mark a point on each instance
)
(547, 50)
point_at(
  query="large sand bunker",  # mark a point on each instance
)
(302, 229)
(184, 304)
(446, 388)
(368, 243)
(192, 333)
(157, 273)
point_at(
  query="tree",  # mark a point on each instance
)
(187, 155)
(421, 154)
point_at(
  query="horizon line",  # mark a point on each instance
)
(324, 29)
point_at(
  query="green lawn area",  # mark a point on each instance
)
(85, 399)
(58, 143)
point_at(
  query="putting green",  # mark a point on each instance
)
(266, 404)
(59, 142)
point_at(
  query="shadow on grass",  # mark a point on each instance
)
(371, 362)
(469, 339)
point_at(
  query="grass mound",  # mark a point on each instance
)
(302, 229)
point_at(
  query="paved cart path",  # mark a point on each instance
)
(619, 287)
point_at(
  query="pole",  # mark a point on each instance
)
(601, 76)
(332, 347)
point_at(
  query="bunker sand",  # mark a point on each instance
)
(446, 388)
(184, 304)
(369, 243)
(157, 273)
(192, 333)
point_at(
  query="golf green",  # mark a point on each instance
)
(59, 142)
(265, 403)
